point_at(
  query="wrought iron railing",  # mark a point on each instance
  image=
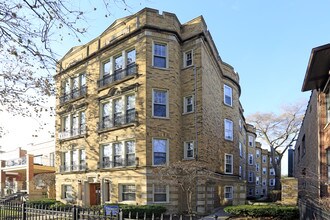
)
(73, 132)
(117, 75)
(118, 119)
(16, 162)
(73, 167)
(119, 162)
(74, 94)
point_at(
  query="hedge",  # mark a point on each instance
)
(157, 210)
(277, 211)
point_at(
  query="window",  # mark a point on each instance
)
(228, 163)
(188, 104)
(72, 125)
(66, 161)
(117, 67)
(188, 58)
(52, 159)
(250, 177)
(128, 192)
(73, 88)
(272, 171)
(257, 167)
(257, 180)
(257, 192)
(327, 100)
(228, 130)
(303, 146)
(117, 112)
(118, 154)
(67, 192)
(257, 153)
(159, 147)
(264, 159)
(160, 103)
(250, 191)
(251, 141)
(272, 182)
(240, 125)
(228, 192)
(160, 193)
(160, 55)
(189, 150)
(228, 95)
(264, 183)
(130, 153)
(240, 149)
(240, 170)
(250, 159)
(264, 170)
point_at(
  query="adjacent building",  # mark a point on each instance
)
(19, 166)
(312, 152)
(149, 91)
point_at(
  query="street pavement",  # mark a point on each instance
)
(218, 214)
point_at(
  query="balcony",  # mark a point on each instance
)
(118, 75)
(119, 162)
(74, 94)
(118, 120)
(16, 162)
(75, 132)
(74, 167)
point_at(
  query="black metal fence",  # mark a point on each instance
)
(24, 211)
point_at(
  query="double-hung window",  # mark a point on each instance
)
(117, 154)
(272, 171)
(130, 108)
(264, 170)
(106, 156)
(257, 180)
(160, 193)
(189, 150)
(250, 159)
(251, 141)
(117, 111)
(131, 59)
(264, 159)
(228, 192)
(228, 163)
(264, 182)
(160, 103)
(257, 167)
(67, 161)
(240, 149)
(130, 153)
(188, 58)
(228, 95)
(251, 176)
(229, 132)
(72, 88)
(159, 147)
(160, 55)
(188, 104)
(128, 192)
(257, 153)
(272, 182)
(67, 192)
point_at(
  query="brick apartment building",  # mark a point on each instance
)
(149, 91)
(312, 152)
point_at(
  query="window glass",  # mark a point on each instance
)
(229, 163)
(188, 58)
(228, 192)
(189, 148)
(106, 68)
(131, 57)
(130, 153)
(228, 129)
(128, 192)
(160, 55)
(189, 104)
(117, 157)
(160, 193)
(160, 103)
(228, 95)
(159, 149)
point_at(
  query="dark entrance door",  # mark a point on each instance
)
(95, 194)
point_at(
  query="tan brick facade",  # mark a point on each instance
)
(176, 86)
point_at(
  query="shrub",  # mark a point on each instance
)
(281, 212)
(157, 210)
(42, 202)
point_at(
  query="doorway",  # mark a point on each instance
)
(95, 194)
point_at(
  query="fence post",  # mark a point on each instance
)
(74, 213)
(24, 211)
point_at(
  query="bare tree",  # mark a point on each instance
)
(29, 29)
(278, 131)
(184, 174)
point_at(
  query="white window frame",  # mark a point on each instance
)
(264, 159)
(186, 150)
(231, 163)
(230, 95)
(272, 171)
(240, 170)
(264, 171)
(250, 177)
(257, 153)
(257, 167)
(250, 191)
(251, 141)
(251, 162)
(121, 191)
(230, 192)
(240, 124)
(229, 130)
(166, 151)
(264, 182)
(271, 182)
(65, 192)
(240, 147)
(257, 180)
(166, 104)
(166, 55)
(185, 104)
(167, 194)
(185, 58)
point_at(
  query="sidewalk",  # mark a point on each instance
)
(219, 213)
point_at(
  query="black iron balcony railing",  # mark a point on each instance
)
(118, 119)
(73, 167)
(73, 132)
(16, 162)
(117, 75)
(74, 94)
(119, 162)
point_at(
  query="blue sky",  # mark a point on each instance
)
(267, 42)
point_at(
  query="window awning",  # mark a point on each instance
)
(317, 72)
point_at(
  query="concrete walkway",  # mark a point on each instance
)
(218, 214)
